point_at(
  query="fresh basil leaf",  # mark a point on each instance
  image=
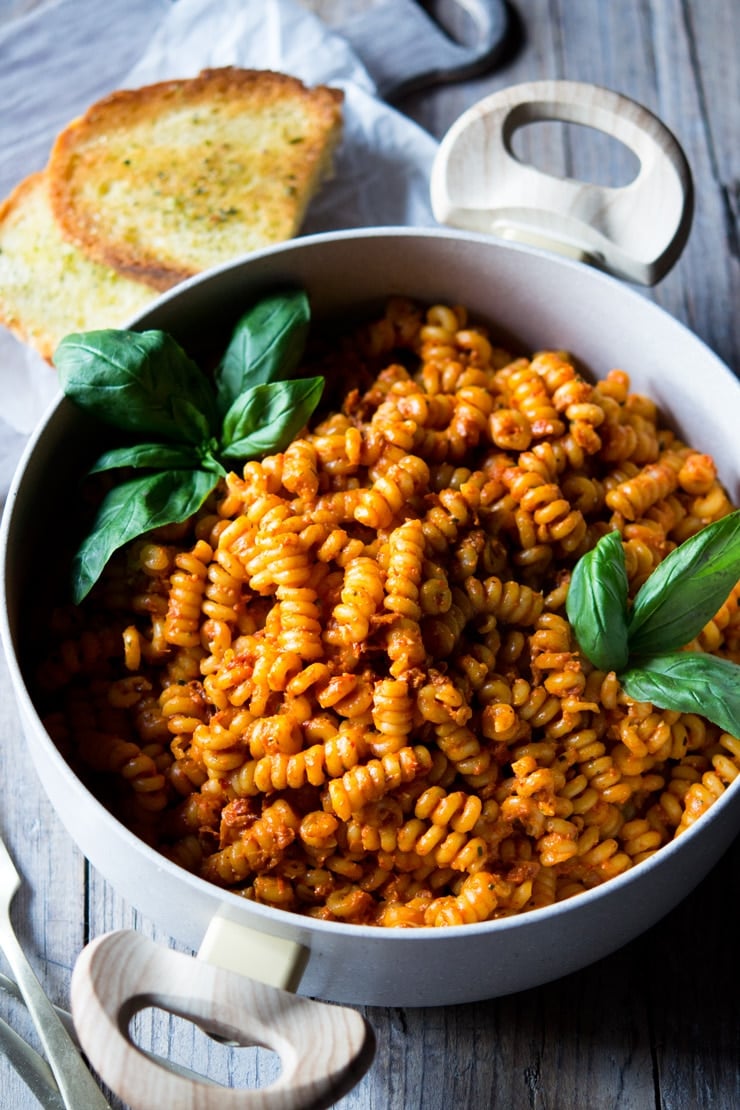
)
(689, 682)
(133, 508)
(686, 589)
(266, 345)
(267, 417)
(159, 456)
(142, 382)
(596, 604)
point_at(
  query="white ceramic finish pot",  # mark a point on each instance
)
(540, 301)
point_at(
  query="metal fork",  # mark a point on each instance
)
(76, 1084)
(37, 1073)
(31, 1066)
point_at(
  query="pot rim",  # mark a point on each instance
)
(439, 232)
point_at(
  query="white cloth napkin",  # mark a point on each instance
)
(68, 53)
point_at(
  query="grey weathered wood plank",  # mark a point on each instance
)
(693, 989)
(705, 285)
(49, 910)
(528, 1050)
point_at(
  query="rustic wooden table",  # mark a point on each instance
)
(656, 1024)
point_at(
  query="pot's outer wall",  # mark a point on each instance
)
(539, 301)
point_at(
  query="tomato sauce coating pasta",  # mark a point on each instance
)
(348, 687)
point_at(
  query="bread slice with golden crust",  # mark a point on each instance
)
(167, 180)
(48, 287)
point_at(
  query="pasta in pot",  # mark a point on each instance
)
(348, 687)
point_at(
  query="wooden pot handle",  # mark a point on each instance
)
(324, 1049)
(636, 231)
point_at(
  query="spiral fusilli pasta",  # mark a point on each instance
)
(348, 688)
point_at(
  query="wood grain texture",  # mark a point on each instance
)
(657, 1024)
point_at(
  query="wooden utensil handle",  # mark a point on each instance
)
(324, 1049)
(636, 232)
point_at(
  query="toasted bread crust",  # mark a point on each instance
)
(48, 287)
(164, 181)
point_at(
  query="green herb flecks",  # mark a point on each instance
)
(641, 644)
(188, 429)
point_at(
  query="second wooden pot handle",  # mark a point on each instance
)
(635, 231)
(324, 1049)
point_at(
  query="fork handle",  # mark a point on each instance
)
(76, 1084)
(31, 1067)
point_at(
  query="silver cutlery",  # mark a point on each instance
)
(36, 1072)
(76, 1084)
(31, 1067)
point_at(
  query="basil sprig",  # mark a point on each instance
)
(250, 423)
(188, 428)
(641, 644)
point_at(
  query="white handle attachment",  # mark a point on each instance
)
(636, 231)
(324, 1049)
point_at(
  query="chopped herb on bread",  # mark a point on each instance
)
(167, 180)
(48, 287)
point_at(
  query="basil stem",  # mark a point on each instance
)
(686, 589)
(266, 345)
(135, 507)
(597, 604)
(689, 682)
